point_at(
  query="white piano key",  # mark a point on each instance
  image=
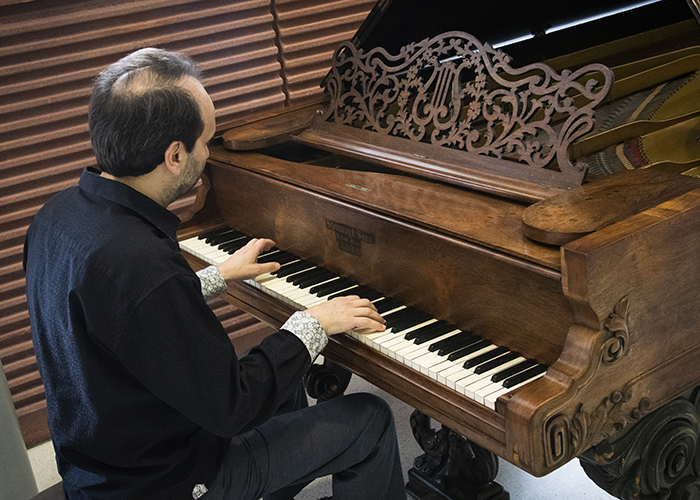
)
(390, 345)
(426, 361)
(477, 380)
(456, 376)
(408, 354)
(490, 400)
(394, 343)
(369, 338)
(446, 373)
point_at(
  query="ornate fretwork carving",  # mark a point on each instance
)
(655, 459)
(616, 327)
(454, 91)
(569, 437)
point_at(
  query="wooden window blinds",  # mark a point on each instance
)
(258, 56)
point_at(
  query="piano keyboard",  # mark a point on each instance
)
(465, 362)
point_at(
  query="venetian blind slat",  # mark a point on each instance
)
(309, 32)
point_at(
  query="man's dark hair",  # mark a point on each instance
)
(138, 108)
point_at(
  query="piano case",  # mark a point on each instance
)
(522, 176)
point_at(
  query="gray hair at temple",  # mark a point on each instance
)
(138, 108)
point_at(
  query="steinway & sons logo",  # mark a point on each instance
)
(349, 239)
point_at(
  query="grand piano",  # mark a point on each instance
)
(515, 185)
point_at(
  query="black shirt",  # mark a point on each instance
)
(144, 389)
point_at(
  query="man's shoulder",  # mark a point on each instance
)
(57, 204)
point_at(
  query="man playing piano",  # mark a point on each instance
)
(146, 396)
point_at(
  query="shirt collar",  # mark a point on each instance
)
(121, 194)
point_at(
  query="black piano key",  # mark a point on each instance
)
(436, 346)
(292, 268)
(512, 370)
(473, 346)
(225, 237)
(314, 278)
(234, 245)
(308, 271)
(455, 343)
(288, 258)
(344, 293)
(487, 356)
(369, 293)
(386, 304)
(210, 234)
(270, 251)
(228, 238)
(360, 290)
(279, 257)
(524, 375)
(332, 287)
(495, 363)
(406, 312)
(324, 286)
(407, 323)
(429, 332)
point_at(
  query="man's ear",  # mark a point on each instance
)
(175, 157)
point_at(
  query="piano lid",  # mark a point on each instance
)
(528, 31)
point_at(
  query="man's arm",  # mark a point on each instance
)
(312, 326)
(242, 265)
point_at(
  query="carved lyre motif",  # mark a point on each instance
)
(454, 91)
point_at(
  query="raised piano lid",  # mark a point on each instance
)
(529, 31)
(513, 151)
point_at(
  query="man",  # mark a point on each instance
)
(146, 397)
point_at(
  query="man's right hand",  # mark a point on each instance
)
(342, 314)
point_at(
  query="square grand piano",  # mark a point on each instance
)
(516, 191)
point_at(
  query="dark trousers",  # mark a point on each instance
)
(352, 438)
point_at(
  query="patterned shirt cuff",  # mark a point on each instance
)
(213, 284)
(309, 331)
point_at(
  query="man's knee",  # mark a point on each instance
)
(371, 406)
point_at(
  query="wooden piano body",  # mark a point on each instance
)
(613, 310)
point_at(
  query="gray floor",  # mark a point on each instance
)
(568, 482)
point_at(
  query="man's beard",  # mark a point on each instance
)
(191, 172)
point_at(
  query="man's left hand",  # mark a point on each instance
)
(243, 264)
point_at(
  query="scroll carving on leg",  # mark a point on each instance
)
(567, 436)
(655, 459)
(452, 467)
(326, 381)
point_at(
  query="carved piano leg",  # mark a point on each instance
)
(452, 467)
(658, 458)
(326, 381)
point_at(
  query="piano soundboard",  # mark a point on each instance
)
(458, 359)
